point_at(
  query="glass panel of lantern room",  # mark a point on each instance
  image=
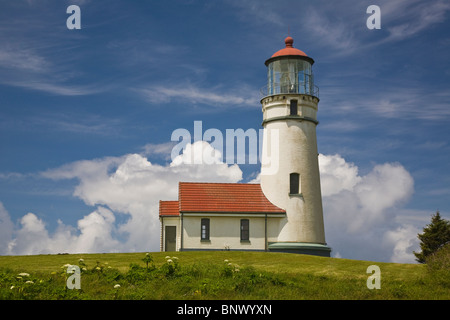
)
(270, 79)
(301, 81)
(288, 76)
(309, 81)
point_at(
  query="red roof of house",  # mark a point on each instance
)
(224, 197)
(168, 208)
(218, 198)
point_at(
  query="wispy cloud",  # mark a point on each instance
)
(259, 11)
(198, 95)
(22, 59)
(337, 34)
(403, 102)
(406, 18)
(54, 88)
(37, 54)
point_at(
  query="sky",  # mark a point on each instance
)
(87, 115)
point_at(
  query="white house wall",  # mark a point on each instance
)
(225, 232)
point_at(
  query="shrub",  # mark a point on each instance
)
(438, 265)
(136, 273)
(148, 259)
(229, 269)
(171, 267)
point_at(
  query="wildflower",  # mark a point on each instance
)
(226, 260)
(167, 257)
(29, 281)
(175, 258)
(169, 260)
(117, 286)
(12, 287)
(24, 274)
(81, 260)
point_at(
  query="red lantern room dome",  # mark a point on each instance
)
(289, 50)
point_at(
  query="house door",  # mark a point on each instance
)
(171, 238)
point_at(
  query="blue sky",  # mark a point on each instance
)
(87, 115)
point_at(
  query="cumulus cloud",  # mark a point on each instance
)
(404, 241)
(130, 186)
(360, 211)
(6, 229)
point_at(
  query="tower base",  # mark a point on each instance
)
(315, 249)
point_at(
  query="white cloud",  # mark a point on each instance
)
(337, 174)
(337, 34)
(6, 229)
(406, 18)
(129, 185)
(197, 95)
(360, 210)
(404, 241)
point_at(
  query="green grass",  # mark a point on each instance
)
(205, 275)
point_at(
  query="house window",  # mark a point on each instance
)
(205, 229)
(245, 232)
(294, 108)
(294, 183)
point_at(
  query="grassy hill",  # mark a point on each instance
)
(212, 275)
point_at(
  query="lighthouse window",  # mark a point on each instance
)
(294, 108)
(294, 183)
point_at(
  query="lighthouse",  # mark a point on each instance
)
(290, 172)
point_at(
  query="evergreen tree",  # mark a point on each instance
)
(434, 236)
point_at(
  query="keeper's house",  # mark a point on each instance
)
(219, 216)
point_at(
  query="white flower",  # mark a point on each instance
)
(29, 281)
(117, 286)
(12, 287)
(175, 258)
(167, 257)
(169, 260)
(24, 274)
(226, 260)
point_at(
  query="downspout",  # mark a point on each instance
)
(162, 234)
(182, 231)
(265, 233)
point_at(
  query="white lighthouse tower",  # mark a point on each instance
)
(290, 171)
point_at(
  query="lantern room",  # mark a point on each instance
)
(289, 70)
